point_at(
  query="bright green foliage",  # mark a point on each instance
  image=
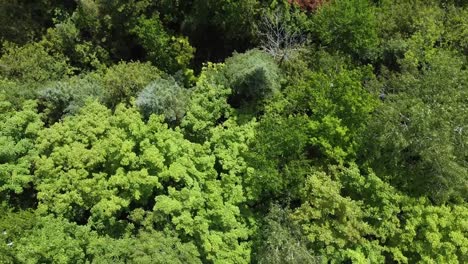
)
(125, 80)
(206, 206)
(111, 165)
(338, 107)
(163, 97)
(349, 26)
(332, 223)
(99, 170)
(18, 132)
(208, 103)
(349, 216)
(52, 240)
(146, 248)
(29, 238)
(253, 76)
(433, 235)
(167, 52)
(233, 131)
(230, 143)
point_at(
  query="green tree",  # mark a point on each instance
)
(281, 240)
(215, 28)
(349, 27)
(67, 96)
(24, 69)
(208, 105)
(334, 224)
(168, 53)
(253, 77)
(18, 132)
(146, 247)
(125, 80)
(164, 97)
(416, 136)
(338, 106)
(97, 167)
(52, 240)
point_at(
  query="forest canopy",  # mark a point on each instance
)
(219, 131)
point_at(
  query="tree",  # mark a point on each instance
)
(18, 132)
(348, 215)
(59, 99)
(126, 80)
(164, 97)
(121, 166)
(253, 77)
(281, 241)
(338, 107)
(168, 53)
(208, 105)
(26, 68)
(215, 28)
(52, 240)
(280, 35)
(24, 21)
(145, 247)
(308, 4)
(334, 224)
(349, 27)
(416, 136)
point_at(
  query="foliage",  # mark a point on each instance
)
(146, 247)
(425, 119)
(65, 38)
(52, 240)
(24, 21)
(282, 32)
(166, 52)
(125, 80)
(24, 69)
(457, 25)
(278, 158)
(32, 64)
(18, 132)
(208, 103)
(281, 240)
(68, 96)
(308, 4)
(119, 164)
(224, 24)
(338, 107)
(359, 218)
(221, 131)
(349, 26)
(164, 97)
(253, 76)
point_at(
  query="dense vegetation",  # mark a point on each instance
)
(221, 131)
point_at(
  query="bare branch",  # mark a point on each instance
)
(278, 38)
